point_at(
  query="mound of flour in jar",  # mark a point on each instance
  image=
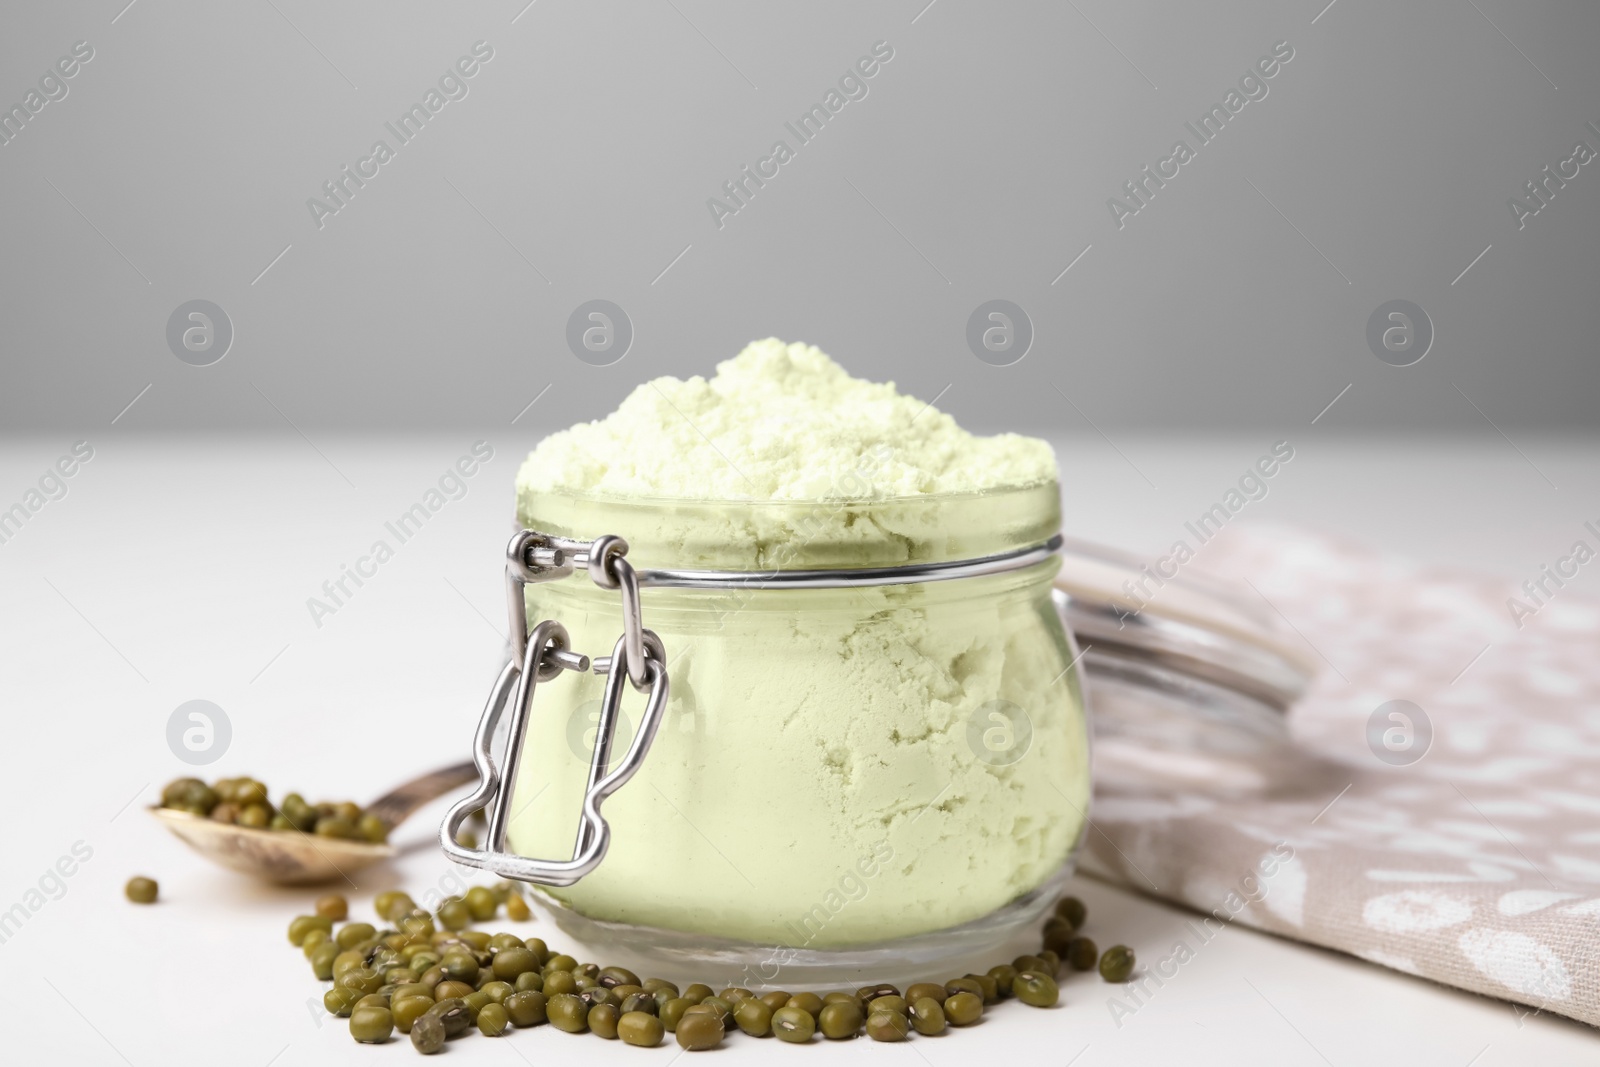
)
(777, 422)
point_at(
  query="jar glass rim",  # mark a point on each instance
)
(827, 532)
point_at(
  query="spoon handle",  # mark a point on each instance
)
(395, 806)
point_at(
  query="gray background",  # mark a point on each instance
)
(978, 167)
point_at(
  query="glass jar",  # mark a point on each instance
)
(891, 770)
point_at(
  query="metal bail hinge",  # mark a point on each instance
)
(540, 655)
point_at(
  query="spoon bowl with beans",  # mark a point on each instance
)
(275, 851)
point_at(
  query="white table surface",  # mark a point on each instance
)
(179, 569)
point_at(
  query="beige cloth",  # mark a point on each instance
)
(1477, 865)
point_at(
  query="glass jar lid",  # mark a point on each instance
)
(1191, 625)
(1187, 681)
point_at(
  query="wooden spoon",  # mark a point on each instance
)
(290, 857)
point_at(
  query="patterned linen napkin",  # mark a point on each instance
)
(1471, 856)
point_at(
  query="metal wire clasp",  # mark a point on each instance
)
(539, 655)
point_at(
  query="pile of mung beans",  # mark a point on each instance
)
(244, 802)
(431, 976)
